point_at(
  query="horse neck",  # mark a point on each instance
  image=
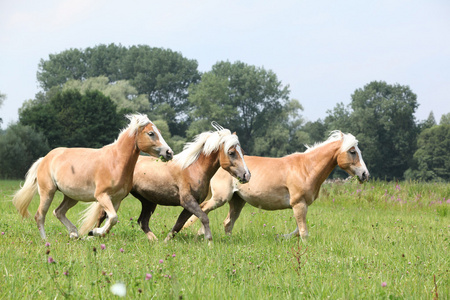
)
(321, 161)
(206, 165)
(126, 151)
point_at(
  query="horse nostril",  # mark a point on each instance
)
(247, 176)
(169, 153)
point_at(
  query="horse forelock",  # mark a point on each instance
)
(136, 121)
(206, 142)
(348, 141)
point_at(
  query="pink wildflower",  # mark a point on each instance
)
(148, 276)
(103, 246)
(383, 284)
(50, 260)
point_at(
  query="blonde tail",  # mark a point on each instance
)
(89, 217)
(22, 198)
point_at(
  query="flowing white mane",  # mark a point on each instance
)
(206, 142)
(136, 121)
(348, 141)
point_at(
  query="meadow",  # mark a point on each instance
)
(380, 240)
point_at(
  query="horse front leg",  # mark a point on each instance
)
(300, 209)
(105, 201)
(191, 207)
(60, 213)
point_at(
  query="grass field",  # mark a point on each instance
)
(378, 240)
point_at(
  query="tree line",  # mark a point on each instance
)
(86, 92)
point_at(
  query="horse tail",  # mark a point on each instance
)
(22, 198)
(89, 217)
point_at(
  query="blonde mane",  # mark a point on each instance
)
(136, 121)
(206, 142)
(348, 141)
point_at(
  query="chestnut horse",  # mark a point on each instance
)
(185, 180)
(292, 181)
(83, 174)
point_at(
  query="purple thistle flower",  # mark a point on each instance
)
(66, 273)
(3, 233)
(148, 276)
(103, 246)
(161, 261)
(173, 255)
(50, 260)
(47, 244)
(121, 250)
(383, 284)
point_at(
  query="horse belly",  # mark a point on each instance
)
(79, 193)
(267, 200)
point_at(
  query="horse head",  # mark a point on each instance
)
(231, 156)
(351, 161)
(232, 160)
(150, 140)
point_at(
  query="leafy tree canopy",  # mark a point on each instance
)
(20, 146)
(432, 158)
(71, 119)
(381, 116)
(2, 99)
(247, 99)
(445, 119)
(161, 74)
(122, 93)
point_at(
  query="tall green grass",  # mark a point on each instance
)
(378, 240)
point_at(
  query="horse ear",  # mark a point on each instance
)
(234, 133)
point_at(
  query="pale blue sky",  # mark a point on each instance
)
(324, 50)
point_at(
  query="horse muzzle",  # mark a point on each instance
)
(166, 154)
(245, 178)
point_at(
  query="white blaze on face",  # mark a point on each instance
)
(361, 161)
(160, 137)
(238, 149)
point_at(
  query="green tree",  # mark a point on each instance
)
(317, 131)
(428, 123)
(244, 98)
(432, 158)
(2, 99)
(20, 146)
(162, 75)
(445, 119)
(122, 93)
(71, 119)
(381, 116)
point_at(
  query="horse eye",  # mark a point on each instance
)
(232, 153)
(151, 133)
(353, 152)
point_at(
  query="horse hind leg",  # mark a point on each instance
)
(148, 208)
(46, 198)
(60, 213)
(236, 204)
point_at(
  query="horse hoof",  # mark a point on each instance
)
(91, 233)
(73, 235)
